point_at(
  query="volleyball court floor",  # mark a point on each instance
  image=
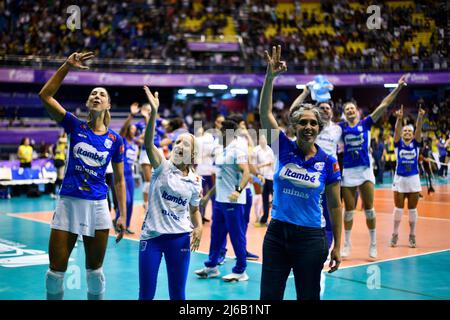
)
(398, 273)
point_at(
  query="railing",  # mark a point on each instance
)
(242, 66)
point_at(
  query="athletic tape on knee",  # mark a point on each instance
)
(370, 214)
(95, 281)
(348, 215)
(398, 214)
(54, 282)
(146, 187)
(412, 215)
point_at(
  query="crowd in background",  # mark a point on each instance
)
(156, 31)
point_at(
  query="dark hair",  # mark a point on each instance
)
(175, 124)
(349, 102)
(236, 117)
(297, 111)
(229, 124)
(23, 140)
(329, 102)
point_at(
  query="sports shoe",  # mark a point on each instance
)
(394, 240)
(207, 273)
(252, 256)
(373, 251)
(412, 241)
(128, 231)
(347, 249)
(235, 277)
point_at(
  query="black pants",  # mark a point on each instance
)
(288, 246)
(444, 169)
(267, 191)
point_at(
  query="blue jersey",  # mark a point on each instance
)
(356, 143)
(88, 157)
(407, 158)
(159, 132)
(129, 156)
(299, 185)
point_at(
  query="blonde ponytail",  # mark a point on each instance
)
(107, 118)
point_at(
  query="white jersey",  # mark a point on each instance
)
(228, 173)
(206, 145)
(170, 195)
(264, 156)
(329, 138)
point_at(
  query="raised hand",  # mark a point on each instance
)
(421, 112)
(274, 65)
(134, 108)
(399, 113)
(402, 81)
(76, 60)
(152, 99)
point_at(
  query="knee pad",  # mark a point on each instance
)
(370, 214)
(54, 283)
(95, 282)
(348, 215)
(412, 215)
(398, 214)
(146, 187)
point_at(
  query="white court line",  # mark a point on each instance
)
(394, 259)
(419, 217)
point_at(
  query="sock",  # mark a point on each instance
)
(412, 221)
(257, 205)
(397, 219)
(347, 236)
(373, 236)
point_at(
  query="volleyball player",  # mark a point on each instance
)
(295, 239)
(407, 180)
(173, 214)
(60, 160)
(82, 208)
(128, 134)
(358, 170)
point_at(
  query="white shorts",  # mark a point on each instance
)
(354, 177)
(81, 216)
(143, 158)
(407, 184)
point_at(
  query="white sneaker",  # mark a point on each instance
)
(207, 273)
(234, 277)
(373, 251)
(347, 249)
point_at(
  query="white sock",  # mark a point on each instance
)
(257, 205)
(347, 236)
(412, 221)
(397, 219)
(373, 236)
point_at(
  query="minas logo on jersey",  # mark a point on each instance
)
(172, 198)
(300, 176)
(408, 154)
(353, 140)
(89, 155)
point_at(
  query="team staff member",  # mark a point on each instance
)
(358, 170)
(172, 216)
(82, 208)
(407, 180)
(233, 174)
(295, 238)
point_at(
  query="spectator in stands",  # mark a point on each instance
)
(25, 153)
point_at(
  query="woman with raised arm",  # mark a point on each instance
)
(407, 180)
(173, 224)
(295, 239)
(358, 170)
(128, 134)
(82, 208)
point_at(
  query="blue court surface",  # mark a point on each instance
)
(24, 261)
